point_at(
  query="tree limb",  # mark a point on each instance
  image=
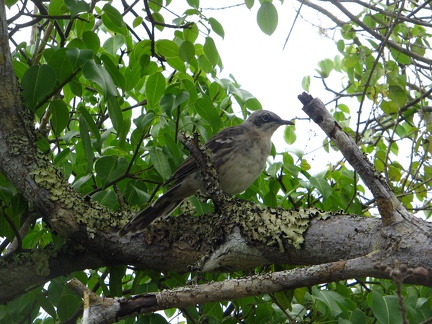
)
(391, 210)
(110, 310)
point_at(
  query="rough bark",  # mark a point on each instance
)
(210, 243)
(110, 310)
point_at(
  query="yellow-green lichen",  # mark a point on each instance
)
(93, 215)
(276, 226)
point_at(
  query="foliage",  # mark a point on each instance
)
(110, 90)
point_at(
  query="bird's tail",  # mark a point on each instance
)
(162, 207)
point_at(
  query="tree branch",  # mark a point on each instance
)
(391, 210)
(110, 310)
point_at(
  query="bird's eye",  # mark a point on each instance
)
(265, 117)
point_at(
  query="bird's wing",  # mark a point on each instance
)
(188, 166)
(225, 139)
(220, 142)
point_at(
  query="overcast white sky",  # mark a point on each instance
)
(273, 74)
(261, 65)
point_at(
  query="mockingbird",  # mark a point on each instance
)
(238, 153)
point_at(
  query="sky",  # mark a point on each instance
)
(271, 73)
(261, 64)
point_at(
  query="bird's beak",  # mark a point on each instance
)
(286, 122)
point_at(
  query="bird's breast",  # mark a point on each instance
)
(239, 167)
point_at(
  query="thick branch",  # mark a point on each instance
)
(109, 310)
(391, 210)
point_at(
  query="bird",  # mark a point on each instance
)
(238, 153)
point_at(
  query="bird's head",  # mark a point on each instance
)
(267, 121)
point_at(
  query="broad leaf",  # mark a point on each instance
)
(210, 51)
(187, 51)
(155, 88)
(78, 57)
(217, 27)
(167, 48)
(91, 126)
(110, 168)
(61, 64)
(97, 73)
(208, 112)
(385, 308)
(160, 162)
(267, 17)
(59, 115)
(115, 114)
(113, 20)
(37, 83)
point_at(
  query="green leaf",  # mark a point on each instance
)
(91, 41)
(110, 168)
(79, 56)
(290, 135)
(117, 77)
(59, 115)
(56, 8)
(137, 21)
(306, 83)
(61, 156)
(210, 51)
(181, 98)
(92, 126)
(344, 108)
(67, 306)
(193, 3)
(143, 122)
(397, 95)
(208, 112)
(115, 279)
(418, 47)
(385, 308)
(322, 185)
(400, 57)
(46, 305)
(107, 198)
(191, 34)
(86, 143)
(75, 7)
(187, 51)
(156, 5)
(357, 317)
(155, 88)
(160, 162)
(205, 64)
(37, 83)
(113, 44)
(99, 75)
(167, 48)
(330, 298)
(284, 298)
(326, 66)
(389, 107)
(249, 3)
(176, 63)
(136, 194)
(61, 64)
(217, 27)
(167, 103)
(267, 18)
(115, 113)
(133, 75)
(157, 17)
(113, 20)
(252, 104)
(84, 24)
